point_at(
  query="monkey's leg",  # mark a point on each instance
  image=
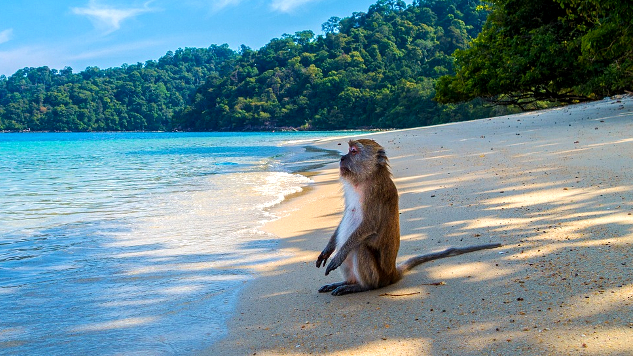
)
(347, 271)
(364, 272)
(330, 287)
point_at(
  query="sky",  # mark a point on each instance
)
(109, 33)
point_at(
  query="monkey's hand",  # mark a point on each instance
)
(323, 257)
(334, 263)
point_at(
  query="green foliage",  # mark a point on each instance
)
(554, 50)
(371, 69)
(604, 33)
(127, 98)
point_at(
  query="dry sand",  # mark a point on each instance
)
(555, 187)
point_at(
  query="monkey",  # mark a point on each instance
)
(367, 239)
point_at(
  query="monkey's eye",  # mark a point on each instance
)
(353, 150)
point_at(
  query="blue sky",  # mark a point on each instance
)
(108, 33)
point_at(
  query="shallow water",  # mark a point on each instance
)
(135, 243)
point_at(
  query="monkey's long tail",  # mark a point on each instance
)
(453, 251)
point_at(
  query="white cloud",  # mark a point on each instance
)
(113, 50)
(220, 4)
(72, 54)
(287, 5)
(274, 5)
(29, 56)
(6, 35)
(212, 5)
(108, 19)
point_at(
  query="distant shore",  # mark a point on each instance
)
(555, 187)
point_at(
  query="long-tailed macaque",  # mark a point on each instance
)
(368, 237)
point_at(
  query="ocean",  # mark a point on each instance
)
(136, 243)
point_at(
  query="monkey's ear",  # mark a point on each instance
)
(382, 157)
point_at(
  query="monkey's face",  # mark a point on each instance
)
(362, 160)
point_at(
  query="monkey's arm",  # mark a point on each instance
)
(373, 217)
(364, 231)
(327, 251)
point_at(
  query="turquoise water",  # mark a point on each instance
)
(132, 243)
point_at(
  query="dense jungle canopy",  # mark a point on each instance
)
(389, 67)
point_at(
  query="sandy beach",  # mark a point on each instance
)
(555, 187)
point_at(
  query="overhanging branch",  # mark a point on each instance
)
(526, 100)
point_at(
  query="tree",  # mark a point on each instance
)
(332, 25)
(554, 50)
(605, 38)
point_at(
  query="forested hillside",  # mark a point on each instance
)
(127, 98)
(372, 69)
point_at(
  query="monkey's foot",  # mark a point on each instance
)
(330, 287)
(342, 288)
(349, 288)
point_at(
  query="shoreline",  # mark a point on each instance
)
(553, 186)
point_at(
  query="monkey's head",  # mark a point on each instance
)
(364, 159)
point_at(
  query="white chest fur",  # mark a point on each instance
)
(352, 216)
